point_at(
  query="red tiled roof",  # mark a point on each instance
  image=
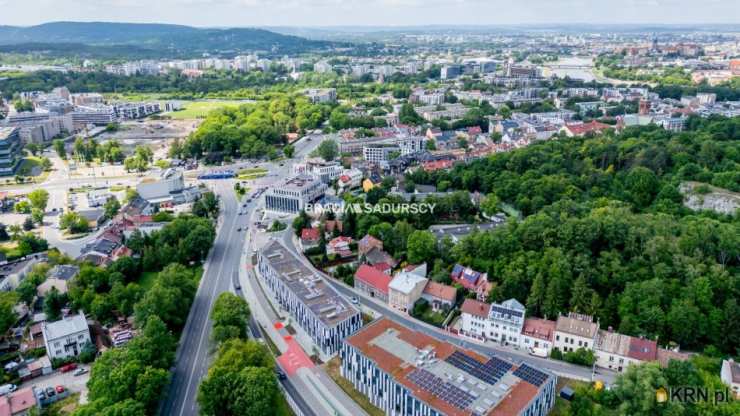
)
(539, 328)
(437, 165)
(22, 400)
(382, 266)
(440, 291)
(310, 234)
(643, 349)
(474, 307)
(373, 277)
(517, 399)
(581, 129)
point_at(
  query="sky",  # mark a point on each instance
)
(307, 13)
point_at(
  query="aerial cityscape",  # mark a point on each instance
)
(402, 208)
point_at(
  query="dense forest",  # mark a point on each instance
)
(606, 233)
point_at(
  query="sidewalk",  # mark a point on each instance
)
(322, 394)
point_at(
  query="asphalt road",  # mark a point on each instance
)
(193, 354)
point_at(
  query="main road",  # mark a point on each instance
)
(194, 351)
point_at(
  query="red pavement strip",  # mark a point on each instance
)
(294, 358)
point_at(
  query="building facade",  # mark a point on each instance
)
(66, 337)
(408, 373)
(294, 194)
(312, 304)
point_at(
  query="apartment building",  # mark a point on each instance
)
(575, 331)
(505, 321)
(99, 115)
(10, 150)
(408, 373)
(66, 337)
(294, 194)
(321, 95)
(406, 288)
(538, 333)
(319, 168)
(312, 304)
(616, 351)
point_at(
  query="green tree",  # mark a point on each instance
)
(59, 147)
(328, 150)
(53, 304)
(289, 151)
(111, 207)
(8, 316)
(421, 247)
(39, 199)
(230, 317)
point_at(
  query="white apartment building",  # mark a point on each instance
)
(294, 194)
(66, 337)
(317, 167)
(616, 351)
(505, 322)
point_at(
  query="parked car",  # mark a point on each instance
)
(50, 391)
(7, 388)
(68, 367)
(60, 389)
(280, 374)
(80, 371)
(354, 300)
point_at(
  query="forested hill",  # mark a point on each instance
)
(158, 37)
(606, 232)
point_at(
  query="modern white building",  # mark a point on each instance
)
(409, 373)
(66, 337)
(379, 153)
(317, 167)
(312, 304)
(321, 95)
(294, 194)
(575, 331)
(506, 320)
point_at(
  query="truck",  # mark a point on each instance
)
(538, 352)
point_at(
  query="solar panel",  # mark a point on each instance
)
(490, 372)
(505, 311)
(440, 388)
(531, 375)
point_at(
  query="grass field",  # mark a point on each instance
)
(200, 109)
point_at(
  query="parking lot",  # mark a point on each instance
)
(75, 384)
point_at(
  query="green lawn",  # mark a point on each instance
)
(200, 109)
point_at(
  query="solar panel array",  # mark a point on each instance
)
(506, 311)
(440, 388)
(490, 372)
(531, 375)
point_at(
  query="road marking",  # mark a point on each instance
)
(208, 311)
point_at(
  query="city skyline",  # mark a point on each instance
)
(387, 13)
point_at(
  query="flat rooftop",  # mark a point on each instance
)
(5, 132)
(453, 380)
(311, 289)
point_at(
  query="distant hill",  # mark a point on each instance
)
(169, 39)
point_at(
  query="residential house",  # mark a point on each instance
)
(367, 243)
(471, 280)
(12, 273)
(405, 289)
(730, 375)
(474, 317)
(377, 256)
(617, 351)
(340, 247)
(506, 320)
(66, 337)
(310, 238)
(18, 403)
(372, 282)
(538, 333)
(439, 296)
(575, 331)
(582, 129)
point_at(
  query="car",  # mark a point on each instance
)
(354, 300)
(42, 395)
(7, 388)
(280, 375)
(68, 367)
(59, 389)
(237, 286)
(244, 206)
(80, 371)
(239, 229)
(50, 391)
